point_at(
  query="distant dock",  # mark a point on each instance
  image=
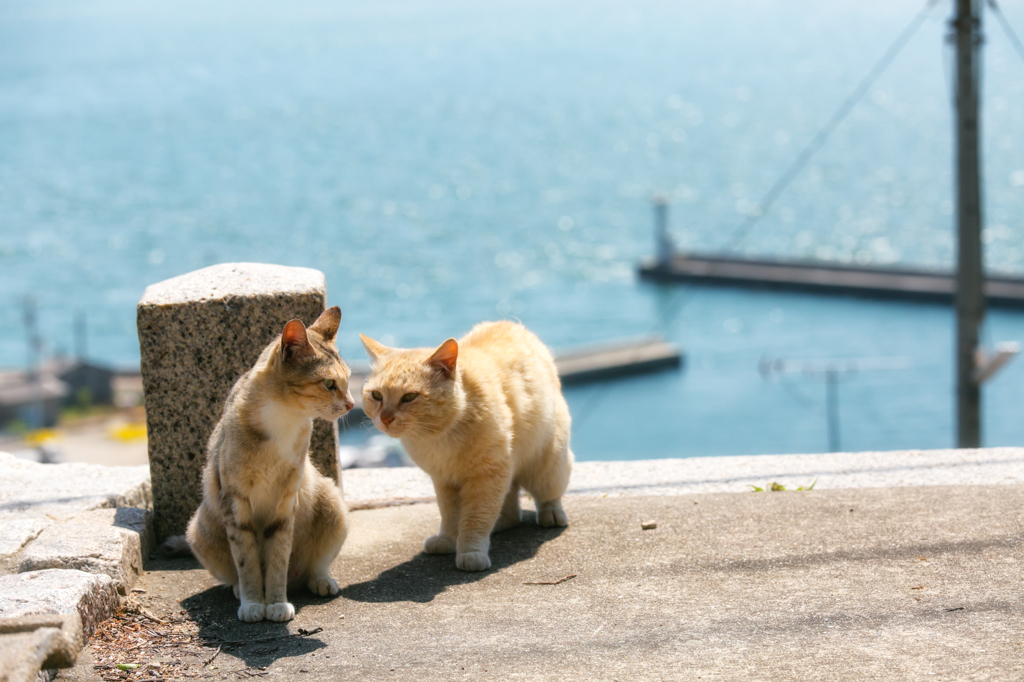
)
(613, 360)
(819, 277)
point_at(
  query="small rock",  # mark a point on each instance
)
(649, 525)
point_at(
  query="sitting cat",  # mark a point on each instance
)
(268, 516)
(482, 416)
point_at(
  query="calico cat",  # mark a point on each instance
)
(483, 416)
(268, 516)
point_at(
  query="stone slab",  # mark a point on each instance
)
(197, 334)
(108, 541)
(34, 496)
(33, 643)
(15, 533)
(57, 491)
(59, 591)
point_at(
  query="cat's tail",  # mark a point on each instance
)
(175, 546)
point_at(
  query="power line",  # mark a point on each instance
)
(816, 143)
(1007, 29)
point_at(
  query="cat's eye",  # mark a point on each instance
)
(409, 397)
(377, 396)
(329, 384)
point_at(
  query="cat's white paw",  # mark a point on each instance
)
(280, 612)
(234, 588)
(552, 517)
(251, 613)
(439, 544)
(473, 561)
(322, 585)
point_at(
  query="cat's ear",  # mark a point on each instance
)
(294, 342)
(374, 349)
(327, 324)
(444, 358)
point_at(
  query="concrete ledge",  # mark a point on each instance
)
(899, 468)
(58, 491)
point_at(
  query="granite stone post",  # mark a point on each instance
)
(197, 334)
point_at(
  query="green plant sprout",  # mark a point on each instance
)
(777, 487)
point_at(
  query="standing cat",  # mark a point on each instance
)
(268, 516)
(482, 416)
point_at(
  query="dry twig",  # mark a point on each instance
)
(215, 655)
(551, 582)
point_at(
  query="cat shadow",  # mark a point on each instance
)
(425, 576)
(215, 611)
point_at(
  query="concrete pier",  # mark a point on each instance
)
(934, 286)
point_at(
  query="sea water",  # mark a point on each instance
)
(448, 162)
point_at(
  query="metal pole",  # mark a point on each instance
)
(970, 301)
(832, 407)
(35, 344)
(81, 332)
(664, 242)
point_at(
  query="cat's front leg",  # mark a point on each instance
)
(448, 505)
(277, 550)
(480, 506)
(246, 554)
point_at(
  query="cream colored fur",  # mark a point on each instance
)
(483, 416)
(268, 517)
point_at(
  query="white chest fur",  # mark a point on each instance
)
(288, 429)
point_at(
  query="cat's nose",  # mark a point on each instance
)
(349, 403)
(387, 419)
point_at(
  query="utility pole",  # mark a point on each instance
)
(833, 371)
(970, 298)
(662, 238)
(832, 406)
(35, 343)
(81, 335)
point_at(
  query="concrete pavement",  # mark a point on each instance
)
(857, 584)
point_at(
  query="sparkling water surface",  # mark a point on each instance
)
(449, 162)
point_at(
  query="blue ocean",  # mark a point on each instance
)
(448, 162)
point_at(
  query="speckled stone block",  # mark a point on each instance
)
(197, 334)
(60, 591)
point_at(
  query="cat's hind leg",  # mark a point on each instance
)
(510, 515)
(324, 533)
(209, 543)
(546, 481)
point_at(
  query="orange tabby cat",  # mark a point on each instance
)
(483, 416)
(268, 516)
